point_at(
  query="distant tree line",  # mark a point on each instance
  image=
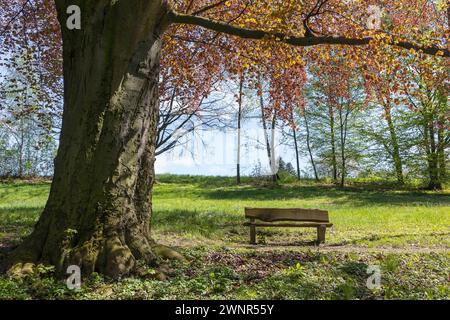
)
(341, 129)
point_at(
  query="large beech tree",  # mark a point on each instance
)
(99, 209)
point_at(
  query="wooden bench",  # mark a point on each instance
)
(274, 217)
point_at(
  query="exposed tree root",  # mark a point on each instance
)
(113, 259)
(168, 253)
(21, 270)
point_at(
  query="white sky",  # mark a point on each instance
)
(214, 152)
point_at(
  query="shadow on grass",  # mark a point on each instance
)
(199, 181)
(23, 191)
(15, 223)
(18, 218)
(338, 196)
(192, 221)
(339, 280)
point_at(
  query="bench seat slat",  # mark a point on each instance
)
(292, 214)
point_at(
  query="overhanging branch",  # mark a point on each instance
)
(295, 41)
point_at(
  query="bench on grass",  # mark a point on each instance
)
(291, 218)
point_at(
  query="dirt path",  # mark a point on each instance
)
(185, 243)
(6, 244)
(346, 249)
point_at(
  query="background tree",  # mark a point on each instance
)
(428, 99)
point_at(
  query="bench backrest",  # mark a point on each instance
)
(294, 214)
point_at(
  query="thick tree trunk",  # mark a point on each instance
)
(99, 208)
(398, 165)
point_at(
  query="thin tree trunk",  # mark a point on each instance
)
(441, 148)
(297, 155)
(333, 145)
(21, 145)
(238, 164)
(264, 124)
(99, 208)
(433, 159)
(395, 147)
(441, 155)
(343, 136)
(308, 144)
(273, 160)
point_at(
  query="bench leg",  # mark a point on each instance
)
(252, 235)
(252, 232)
(321, 234)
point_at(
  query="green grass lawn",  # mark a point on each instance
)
(406, 232)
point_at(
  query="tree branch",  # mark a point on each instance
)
(295, 41)
(6, 27)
